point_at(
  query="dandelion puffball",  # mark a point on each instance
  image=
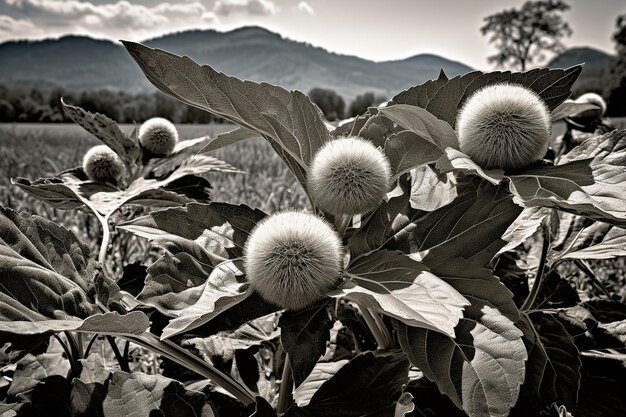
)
(158, 136)
(293, 259)
(504, 126)
(101, 164)
(593, 114)
(348, 176)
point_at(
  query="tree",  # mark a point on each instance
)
(616, 86)
(522, 35)
(361, 103)
(331, 103)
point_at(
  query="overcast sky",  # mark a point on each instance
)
(377, 30)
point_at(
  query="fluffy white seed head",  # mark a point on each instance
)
(293, 259)
(592, 114)
(101, 164)
(504, 126)
(158, 136)
(348, 176)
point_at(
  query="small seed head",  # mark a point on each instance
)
(593, 114)
(504, 126)
(293, 259)
(348, 176)
(101, 164)
(158, 136)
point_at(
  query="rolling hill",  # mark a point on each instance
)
(254, 53)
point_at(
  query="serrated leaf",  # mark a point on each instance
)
(419, 95)
(304, 334)
(431, 191)
(393, 284)
(590, 240)
(108, 132)
(456, 161)
(288, 120)
(589, 181)
(527, 224)
(380, 375)
(423, 123)
(229, 138)
(45, 271)
(570, 108)
(481, 370)
(553, 368)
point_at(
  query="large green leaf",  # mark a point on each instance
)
(228, 138)
(430, 190)
(392, 283)
(481, 370)
(288, 119)
(425, 124)
(339, 390)
(304, 335)
(444, 99)
(407, 150)
(553, 367)
(45, 271)
(589, 181)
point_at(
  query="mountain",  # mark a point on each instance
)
(593, 78)
(253, 53)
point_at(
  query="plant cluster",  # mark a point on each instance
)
(426, 278)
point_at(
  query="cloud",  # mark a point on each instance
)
(253, 7)
(305, 7)
(118, 19)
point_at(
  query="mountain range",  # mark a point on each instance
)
(253, 53)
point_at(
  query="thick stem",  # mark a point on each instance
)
(286, 384)
(534, 292)
(106, 238)
(182, 357)
(121, 360)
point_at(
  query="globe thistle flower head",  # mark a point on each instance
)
(348, 176)
(592, 114)
(158, 136)
(101, 164)
(293, 259)
(504, 126)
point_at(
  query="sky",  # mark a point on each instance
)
(377, 30)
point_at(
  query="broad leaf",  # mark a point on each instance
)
(424, 124)
(229, 138)
(45, 271)
(589, 181)
(380, 375)
(32, 370)
(431, 191)
(456, 161)
(481, 370)
(407, 150)
(570, 108)
(304, 335)
(553, 368)
(590, 240)
(527, 224)
(552, 85)
(555, 292)
(224, 344)
(108, 132)
(288, 120)
(393, 284)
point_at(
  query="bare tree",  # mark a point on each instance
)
(521, 35)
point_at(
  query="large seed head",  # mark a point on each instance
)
(101, 164)
(158, 136)
(593, 114)
(504, 126)
(293, 259)
(348, 176)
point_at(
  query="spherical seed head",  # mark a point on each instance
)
(293, 259)
(504, 126)
(592, 114)
(348, 176)
(158, 136)
(101, 164)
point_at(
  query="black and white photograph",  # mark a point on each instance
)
(315, 208)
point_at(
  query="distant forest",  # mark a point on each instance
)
(29, 103)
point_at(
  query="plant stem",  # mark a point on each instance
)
(586, 268)
(121, 360)
(182, 357)
(90, 344)
(68, 353)
(106, 238)
(341, 224)
(286, 384)
(379, 334)
(534, 292)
